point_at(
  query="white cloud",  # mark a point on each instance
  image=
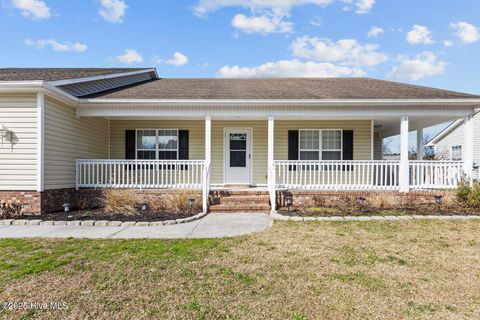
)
(263, 24)
(56, 46)
(284, 6)
(316, 21)
(113, 10)
(360, 6)
(423, 65)
(130, 56)
(448, 43)
(345, 51)
(375, 32)
(419, 35)
(35, 9)
(465, 31)
(290, 68)
(178, 60)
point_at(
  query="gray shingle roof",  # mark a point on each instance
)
(53, 74)
(278, 88)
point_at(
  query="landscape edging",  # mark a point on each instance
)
(100, 223)
(280, 217)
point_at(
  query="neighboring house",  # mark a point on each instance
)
(68, 129)
(448, 143)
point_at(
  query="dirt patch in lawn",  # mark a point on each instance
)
(319, 270)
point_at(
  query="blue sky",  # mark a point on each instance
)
(428, 42)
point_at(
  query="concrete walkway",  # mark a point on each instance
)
(214, 225)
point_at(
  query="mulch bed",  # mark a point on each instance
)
(330, 212)
(99, 214)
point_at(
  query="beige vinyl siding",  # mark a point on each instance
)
(67, 139)
(18, 158)
(196, 134)
(362, 144)
(456, 137)
(361, 135)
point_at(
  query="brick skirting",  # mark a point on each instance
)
(301, 197)
(52, 200)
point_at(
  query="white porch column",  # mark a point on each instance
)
(208, 158)
(468, 147)
(404, 175)
(420, 145)
(271, 164)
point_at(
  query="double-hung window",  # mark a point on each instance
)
(157, 144)
(457, 153)
(316, 144)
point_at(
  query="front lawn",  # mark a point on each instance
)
(320, 270)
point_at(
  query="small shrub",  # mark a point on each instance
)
(158, 205)
(463, 189)
(122, 201)
(179, 203)
(11, 210)
(473, 198)
(349, 204)
(319, 201)
(449, 201)
(87, 200)
(382, 201)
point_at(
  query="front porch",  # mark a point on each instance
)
(275, 153)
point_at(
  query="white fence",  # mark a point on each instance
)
(143, 174)
(337, 175)
(363, 175)
(435, 174)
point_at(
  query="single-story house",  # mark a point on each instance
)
(66, 130)
(448, 143)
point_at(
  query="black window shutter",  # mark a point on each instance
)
(347, 144)
(129, 144)
(292, 148)
(183, 145)
(293, 145)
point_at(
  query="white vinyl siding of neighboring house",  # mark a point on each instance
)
(18, 158)
(68, 138)
(443, 147)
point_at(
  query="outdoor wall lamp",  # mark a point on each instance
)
(438, 199)
(4, 133)
(191, 202)
(289, 200)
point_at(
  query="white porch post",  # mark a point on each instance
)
(404, 169)
(208, 158)
(420, 146)
(271, 164)
(468, 147)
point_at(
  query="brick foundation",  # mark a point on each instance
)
(53, 200)
(331, 198)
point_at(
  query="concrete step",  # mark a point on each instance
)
(228, 193)
(240, 208)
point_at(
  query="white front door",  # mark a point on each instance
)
(237, 156)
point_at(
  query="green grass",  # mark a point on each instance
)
(327, 270)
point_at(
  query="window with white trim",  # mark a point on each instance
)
(457, 154)
(324, 144)
(157, 144)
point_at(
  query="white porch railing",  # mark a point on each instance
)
(337, 175)
(142, 174)
(435, 174)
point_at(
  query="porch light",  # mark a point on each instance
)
(66, 208)
(191, 201)
(438, 199)
(3, 133)
(289, 200)
(144, 206)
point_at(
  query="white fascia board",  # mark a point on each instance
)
(102, 77)
(327, 102)
(444, 132)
